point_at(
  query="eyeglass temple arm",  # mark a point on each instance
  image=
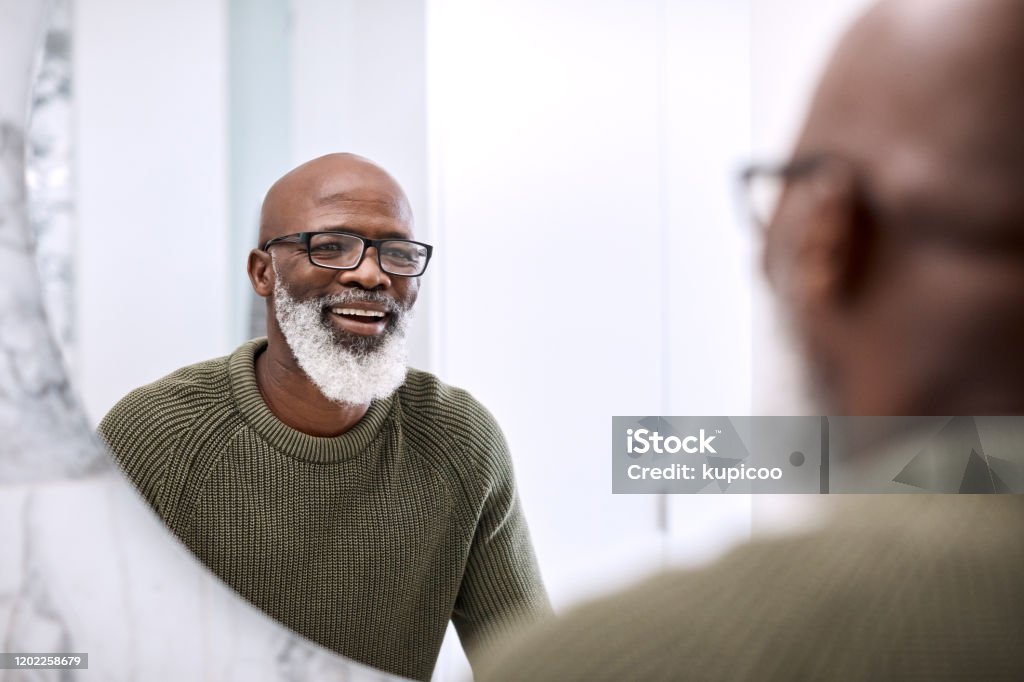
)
(283, 240)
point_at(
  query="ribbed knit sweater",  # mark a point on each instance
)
(916, 587)
(368, 542)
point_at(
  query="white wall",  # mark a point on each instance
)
(150, 108)
(707, 113)
(582, 158)
(258, 130)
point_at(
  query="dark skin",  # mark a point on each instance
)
(902, 265)
(337, 191)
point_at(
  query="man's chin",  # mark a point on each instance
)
(359, 344)
(356, 343)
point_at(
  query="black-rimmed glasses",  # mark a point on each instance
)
(345, 251)
(937, 219)
(763, 184)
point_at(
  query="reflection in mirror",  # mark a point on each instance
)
(86, 569)
(530, 137)
(364, 504)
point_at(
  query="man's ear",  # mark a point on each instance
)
(831, 255)
(845, 241)
(261, 272)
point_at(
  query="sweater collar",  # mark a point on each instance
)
(249, 401)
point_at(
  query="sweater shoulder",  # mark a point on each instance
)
(425, 398)
(143, 430)
(148, 421)
(441, 414)
(879, 563)
(173, 398)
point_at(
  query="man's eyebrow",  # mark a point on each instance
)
(391, 234)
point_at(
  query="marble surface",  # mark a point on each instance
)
(43, 434)
(86, 567)
(49, 170)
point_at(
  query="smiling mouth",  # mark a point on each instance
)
(359, 321)
(360, 315)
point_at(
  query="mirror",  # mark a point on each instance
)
(615, 128)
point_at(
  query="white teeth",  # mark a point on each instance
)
(356, 311)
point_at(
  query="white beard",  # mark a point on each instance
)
(351, 369)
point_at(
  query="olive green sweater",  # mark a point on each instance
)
(916, 587)
(368, 542)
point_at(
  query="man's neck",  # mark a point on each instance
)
(296, 401)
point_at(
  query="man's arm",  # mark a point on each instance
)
(132, 435)
(501, 589)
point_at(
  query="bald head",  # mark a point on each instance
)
(904, 262)
(927, 96)
(329, 185)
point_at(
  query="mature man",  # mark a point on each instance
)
(358, 502)
(897, 248)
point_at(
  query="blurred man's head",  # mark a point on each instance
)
(898, 243)
(343, 319)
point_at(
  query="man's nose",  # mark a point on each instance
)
(367, 274)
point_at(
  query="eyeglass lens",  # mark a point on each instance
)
(397, 257)
(763, 193)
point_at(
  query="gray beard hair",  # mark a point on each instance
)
(346, 368)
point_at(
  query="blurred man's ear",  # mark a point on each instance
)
(833, 262)
(824, 242)
(261, 272)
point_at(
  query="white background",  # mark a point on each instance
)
(573, 162)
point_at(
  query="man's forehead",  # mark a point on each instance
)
(370, 219)
(362, 200)
(374, 216)
(335, 191)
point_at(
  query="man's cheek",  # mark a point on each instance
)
(409, 300)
